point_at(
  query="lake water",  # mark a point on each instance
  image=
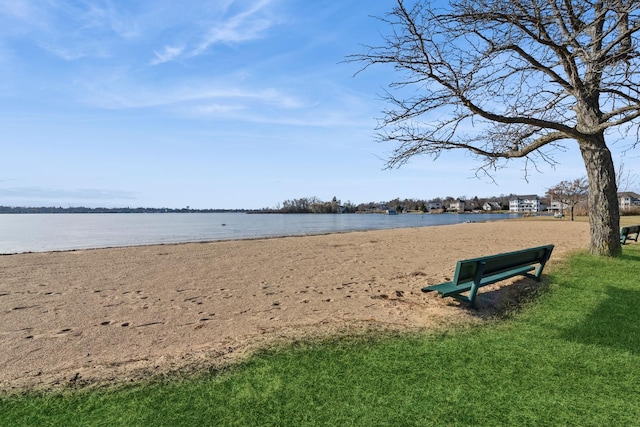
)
(55, 232)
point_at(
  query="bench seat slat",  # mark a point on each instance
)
(448, 288)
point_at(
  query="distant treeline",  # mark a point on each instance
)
(315, 205)
(81, 209)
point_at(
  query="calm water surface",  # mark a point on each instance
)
(54, 232)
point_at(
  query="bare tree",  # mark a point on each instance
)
(570, 193)
(625, 179)
(508, 79)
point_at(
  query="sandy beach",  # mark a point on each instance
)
(94, 317)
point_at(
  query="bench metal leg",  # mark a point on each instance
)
(476, 282)
(543, 261)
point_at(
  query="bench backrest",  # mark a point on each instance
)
(467, 270)
(630, 230)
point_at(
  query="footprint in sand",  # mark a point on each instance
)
(60, 333)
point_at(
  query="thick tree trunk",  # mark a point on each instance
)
(604, 211)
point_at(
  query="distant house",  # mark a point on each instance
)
(491, 206)
(628, 200)
(525, 204)
(434, 206)
(558, 206)
(457, 205)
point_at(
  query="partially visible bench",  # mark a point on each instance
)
(626, 232)
(472, 274)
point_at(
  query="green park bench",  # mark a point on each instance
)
(472, 274)
(626, 233)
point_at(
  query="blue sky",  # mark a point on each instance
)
(209, 104)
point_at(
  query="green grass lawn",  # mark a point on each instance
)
(572, 357)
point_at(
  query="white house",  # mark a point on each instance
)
(558, 206)
(491, 206)
(627, 200)
(434, 206)
(526, 204)
(457, 205)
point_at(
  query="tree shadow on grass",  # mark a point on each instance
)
(630, 257)
(614, 323)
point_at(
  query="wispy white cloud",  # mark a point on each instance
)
(232, 22)
(73, 30)
(65, 53)
(67, 30)
(233, 102)
(129, 97)
(250, 24)
(169, 53)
